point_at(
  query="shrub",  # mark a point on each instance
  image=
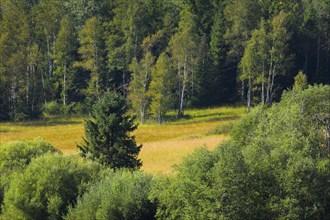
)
(119, 195)
(16, 156)
(277, 166)
(51, 108)
(187, 195)
(47, 186)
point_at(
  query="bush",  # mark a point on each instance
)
(119, 195)
(277, 166)
(51, 108)
(16, 156)
(48, 185)
(187, 195)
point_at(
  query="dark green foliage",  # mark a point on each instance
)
(275, 167)
(107, 134)
(74, 51)
(47, 186)
(119, 195)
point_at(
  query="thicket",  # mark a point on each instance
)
(276, 166)
(47, 186)
(60, 57)
(16, 156)
(119, 195)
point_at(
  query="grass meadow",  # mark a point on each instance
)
(163, 145)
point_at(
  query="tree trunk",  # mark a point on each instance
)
(43, 86)
(50, 66)
(184, 82)
(306, 59)
(28, 69)
(263, 83)
(249, 94)
(318, 58)
(64, 86)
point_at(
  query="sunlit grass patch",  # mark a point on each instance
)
(160, 156)
(164, 144)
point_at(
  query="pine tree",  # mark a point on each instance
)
(107, 137)
(92, 54)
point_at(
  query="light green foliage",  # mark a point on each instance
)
(184, 47)
(300, 81)
(139, 86)
(119, 195)
(107, 134)
(187, 195)
(63, 57)
(51, 108)
(47, 186)
(16, 156)
(275, 167)
(161, 87)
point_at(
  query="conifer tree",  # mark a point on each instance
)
(92, 54)
(107, 137)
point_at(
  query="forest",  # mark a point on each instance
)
(61, 56)
(167, 66)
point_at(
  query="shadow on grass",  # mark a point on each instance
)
(53, 121)
(187, 119)
(7, 130)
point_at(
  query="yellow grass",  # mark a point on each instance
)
(163, 145)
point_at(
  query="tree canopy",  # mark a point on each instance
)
(72, 52)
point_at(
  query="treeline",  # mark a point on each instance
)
(60, 56)
(276, 166)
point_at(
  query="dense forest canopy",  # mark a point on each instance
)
(62, 55)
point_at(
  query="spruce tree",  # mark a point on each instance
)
(107, 134)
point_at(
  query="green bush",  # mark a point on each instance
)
(48, 185)
(277, 166)
(16, 156)
(119, 195)
(187, 195)
(51, 108)
(221, 129)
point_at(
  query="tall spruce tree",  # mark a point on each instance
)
(107, 134)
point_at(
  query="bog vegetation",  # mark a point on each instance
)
(276, 165)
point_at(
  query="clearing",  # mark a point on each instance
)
(163, 145)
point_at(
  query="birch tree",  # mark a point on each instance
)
(65, 46)
(279, 56)
(162, 87)
(184, 47)
(138, 88)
